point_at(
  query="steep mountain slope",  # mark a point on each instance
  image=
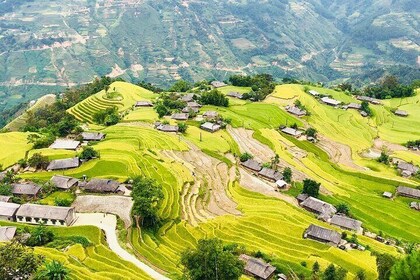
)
(46, 45)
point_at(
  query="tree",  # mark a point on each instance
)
(40, 235)
(329, 273)
(245, 156)
(147, 196)
(210, 260)
(311, 187)
(108, 116)
(315, 268)
(384, 263)
(9, 177)
(5, 189)
(407, 268)
(180, 86)
(214, 97)
(88, 153)
(18, 261)
(360, 275)
(383, 158)
(311, 132)
(343, 208)
(182, 127)
(274, 162)
(162, 110)
(365, 107)
(38, 161)
(54, 270)
(287, 175)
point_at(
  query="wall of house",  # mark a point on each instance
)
(48, 222)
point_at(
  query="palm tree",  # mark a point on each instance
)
(54, 270)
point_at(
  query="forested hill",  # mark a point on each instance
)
(46, 45)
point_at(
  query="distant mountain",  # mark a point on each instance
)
(46, 45)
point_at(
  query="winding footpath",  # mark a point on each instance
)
(108, 223)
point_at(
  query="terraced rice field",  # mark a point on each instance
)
(14, 146)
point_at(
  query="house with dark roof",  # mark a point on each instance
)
(210, 127)
(180, 116)
(257, 267)
(346, 223)
(318, 207)
(61, 164)
(235, 95)
(188, 97)
(8, 211)
(93, 136)
(270, 174)
(218, 84)
(408, 192)
(355, 106)
(64, 182)
(302, 197)
(369, 99)
(193, 104)
(211, 115)
(7, 233)
(144, 103)
(295, 111)
(252, 165)
(167, 128)
(102, 186)
(4, 198)
(323, 235)
(401, 113)
(190, 110)
(65, 144)
(407, 169)
(26, 189)
(292, 131)
(45, 214)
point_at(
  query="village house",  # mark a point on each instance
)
(295, 111)
(167, 128)
(180, 116)
(8, 211)
(102, 186)
(188, 97)
(302, 197)
(26, 189)
(193, 104)
(330, 101)
(210, 127)
(65, 144)
(252, 165)
(235, 94)
(211, 115)
(415, 205)
(314, 93)
(281, 184)
(323, 235)
(292, 131)
(270, 174)
(64, 182)
(143, 103)
(368, 99)
(408, 192)
(387, 194)
(319, 207)
(45, 214)
(7, 233)
(355, 106)
(407, 169)
(401, 113)
(347, 223)
(257, 267)
(187, 109)
(363, 114)
(61, 164)
(4, 198)
(218, 84)
(93, 136)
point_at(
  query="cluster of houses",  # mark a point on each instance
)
(406, 192)
(407, 169)
(264, 172)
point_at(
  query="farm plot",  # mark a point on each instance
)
(13, 147)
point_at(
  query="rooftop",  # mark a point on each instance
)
(401, 113)
(405, 191)
(292, 131)
(5, 198)
(102, 185)
(252, 164)
(63, 182)
(210, 126)
(296, 111)
(66, 163)
(144, 103)
(65, 144)
(323, 234)
(346, 222)
(93, 136)
(319, 206)
(7, 233)
(218, 84)
(257, 267)
(167, 128)
(25, 189)
(43, 211)
(330, 101)
(8, 209)
(270, 174)
(180, 116)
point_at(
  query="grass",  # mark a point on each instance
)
(14, 146)
(50, 200)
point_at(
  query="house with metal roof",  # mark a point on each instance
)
(167, 128)
(292, 131)
(144, 103)
(318, 206)
(408, 192)
(323, 235)
(8, 211)
(257, 267)
(252, 165)
(26, 189)
(45, 214)
(65, 144)
(93, 136)
(347, 223)
(64, 182)
(7, 233)
(61, 164)
(330, 101)
(270, 174)
(210, 127)
(180, 116)
(102, 186)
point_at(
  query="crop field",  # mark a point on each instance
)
(14, 146)
(202, 185)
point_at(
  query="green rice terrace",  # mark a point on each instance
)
(208, 192)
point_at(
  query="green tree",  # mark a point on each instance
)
(311, 132)
(315, 269)
(147, 196)
(88, 153)
(182, 127)
(274, 162)
(180, 86)
(245, 156)
(214, 97)
(287, 175)
(210, 260)
(360, 275)
(162, 110)
(18, 261)
(5, 189)
(329, 273)
(38, 161)
(407, 268)
(54, 270)
(311, 187)
(343, 208)
(383, 158)
(40, 235)
(365, 107)
(384, 264)
(9, 177)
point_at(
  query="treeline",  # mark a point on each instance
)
(261, 85)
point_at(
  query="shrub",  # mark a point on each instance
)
(311, 187)
(38, 161)
(65, 202)
(245, 156)
(88, 153)
(214, 97)
(182, 127)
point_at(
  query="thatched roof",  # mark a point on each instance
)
(257, 267)
(67, 163)
(212, 127)
(8, 209)
(318, 206)
(102, 185)
(190, 109)
(5, 198)
(292, 131)
(180, 116)
(410, 192)
(7, 233)
(346, 222)
(65, 144)
(167, 128)
(405, 166)
(64, 182)
(93, 136)
(25, 189)
(270, 174)
(323, 234)
(43, 211)
(252, 164)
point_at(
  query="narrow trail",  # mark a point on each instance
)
(108, 223)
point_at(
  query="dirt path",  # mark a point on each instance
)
(378, 144)
(114, 204)
(108, 223)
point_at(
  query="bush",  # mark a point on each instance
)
(88, 153)
(311, 187)
(107, 117)
(62, 202)
(182, 127)
(384, 158)
(38, 161)
(245, 156)
(343, 208)
(214, 97)
(40, 236)
(287, 175)
(5, 189)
